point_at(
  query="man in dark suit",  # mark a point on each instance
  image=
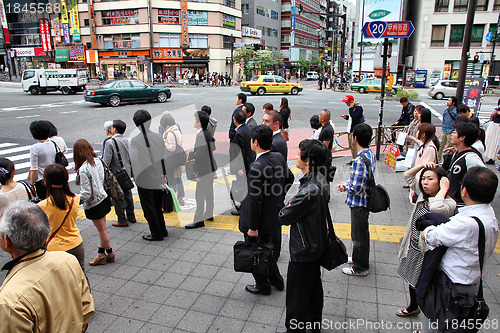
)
(272, 119)
(241, 99)
(249, 110)
(267, 181)
(205, 166)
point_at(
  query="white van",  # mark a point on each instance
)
(312, 76)
(69, 81)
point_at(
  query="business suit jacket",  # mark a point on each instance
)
(240, 151)
(204, 161)
(279, 145)
(267, 179)
(232, 128)
(251, 123)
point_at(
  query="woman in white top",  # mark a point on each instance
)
(42, 154)
(10, 191)
(61, 144)
(94, 199)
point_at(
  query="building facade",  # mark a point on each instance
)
(263, 15)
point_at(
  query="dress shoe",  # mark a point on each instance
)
(210, 219)
(165, 233)
(252, 288)
(235, 212)
(110, 257)
(99, 260)
(132, 221)
(195, 225)
(118, 224)
(151, 238)
(279, 286)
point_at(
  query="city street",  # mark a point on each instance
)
(187, 283)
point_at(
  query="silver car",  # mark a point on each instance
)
(443, 88)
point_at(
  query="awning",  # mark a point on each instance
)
(62, 55)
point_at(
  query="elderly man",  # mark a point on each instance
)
(43, 291)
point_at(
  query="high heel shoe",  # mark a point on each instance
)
(110, 257)
(99, 260)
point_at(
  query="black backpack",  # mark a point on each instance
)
(378, 198)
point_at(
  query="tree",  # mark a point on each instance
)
(246, 54)
(268, 60)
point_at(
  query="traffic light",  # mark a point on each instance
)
(228, 60)
(476, 58)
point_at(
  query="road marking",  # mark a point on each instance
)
(33, 116)
(65, 112)
(6, 144)
(14, 150)
(20, 166)
(40, 106)
(434, 112)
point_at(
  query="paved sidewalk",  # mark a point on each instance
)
(187, 283)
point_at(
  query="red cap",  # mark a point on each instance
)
(348, 98)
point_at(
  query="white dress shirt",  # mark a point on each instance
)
(260, 154)
(461, 235)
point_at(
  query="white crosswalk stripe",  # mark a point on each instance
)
(17, 154)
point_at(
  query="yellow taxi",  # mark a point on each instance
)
(270, 84)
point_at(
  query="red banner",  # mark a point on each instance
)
(184, 23)
(45, 34)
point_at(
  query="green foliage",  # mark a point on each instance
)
(407, 93)
(262, 60)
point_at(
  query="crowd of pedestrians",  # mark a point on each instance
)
(447, 197)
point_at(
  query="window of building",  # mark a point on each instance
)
(229, 21)
(170, 40)
(197, 41)
(496, 5)
(89, 45)
(198, 18)
(285, 38)
(274, 15)
(227, 42)
(86, 22)
(122, 41)
(168, 16)
(245, 8)
(456, 35)
(229, 3)
(118, 17)
(441, 5)
(477, 35)
(438, 34)
(460, 5)
(260, 10)
(482, 5)
(286, 23)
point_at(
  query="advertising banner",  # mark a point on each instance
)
(92, 24)
(382, 10)
(29, 52)
(184, 23)
(75, 21)
(391, 156)
(56, 24)
(76, 53)
(65, 23)
(45, 34)
(473, 92)
(5, 27)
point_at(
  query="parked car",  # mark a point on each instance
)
(270, 84)
(443, 88)
(312, 76)
(118, 91)
(373, 85)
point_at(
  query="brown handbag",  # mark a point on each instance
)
(62, 223)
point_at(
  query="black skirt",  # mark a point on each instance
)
(99, 211)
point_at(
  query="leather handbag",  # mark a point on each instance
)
(239, 190)
(31, 191)
(190, 171)
(378, 198)
(60, 158)
(176, 158)
(335, 253)
(253, 257)
(122, 176)
(111, 185)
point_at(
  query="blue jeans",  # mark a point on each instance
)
(178, 187)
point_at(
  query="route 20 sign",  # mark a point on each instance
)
(377, 29)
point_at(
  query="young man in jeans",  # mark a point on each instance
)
(357, 189)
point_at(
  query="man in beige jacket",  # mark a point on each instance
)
(43, 291)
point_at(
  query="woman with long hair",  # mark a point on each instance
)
(432, 187)
(286, 114)
(61, 206)
(97, 205)
(11, 191)
(426, 149)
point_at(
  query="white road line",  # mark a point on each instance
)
(434, 112)
(6, 144)
(20, 166)
(33, 116)
(21, 176)
(19, 157)
(65, 112)
(306, 101)
(14, 150)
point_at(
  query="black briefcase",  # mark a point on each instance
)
(250, 257)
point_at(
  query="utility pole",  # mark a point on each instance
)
(232, 50)
(382, 96)
(361, 45)
(464, 59)
(492, 69)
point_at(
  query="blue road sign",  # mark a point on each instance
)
(398, 29)
(489, 36)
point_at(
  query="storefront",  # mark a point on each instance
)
(177, 61)
(30, 57)
(61, 57)
(123, 64)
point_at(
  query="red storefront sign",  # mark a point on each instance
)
(30, 52)
(45, 34)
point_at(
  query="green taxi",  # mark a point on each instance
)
(373, 85)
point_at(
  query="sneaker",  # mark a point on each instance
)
(351, 271)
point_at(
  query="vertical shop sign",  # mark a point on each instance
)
(75, 21)
(57, 30)
(92, 24)
(473, 92)
(184, 24)
(65, 23)
(45, 34)
(5, 26)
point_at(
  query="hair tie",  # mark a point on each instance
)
(3, 170)
(56, 186)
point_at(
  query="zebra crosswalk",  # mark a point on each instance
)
(19, 154)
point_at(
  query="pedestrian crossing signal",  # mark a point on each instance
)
(476, 58)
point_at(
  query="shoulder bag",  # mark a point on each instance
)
(60, 158)
(111, 185)
(176, 158)
(31, 191)
(62, 223)
(253, 257)
(378, 198)
(122, 176)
